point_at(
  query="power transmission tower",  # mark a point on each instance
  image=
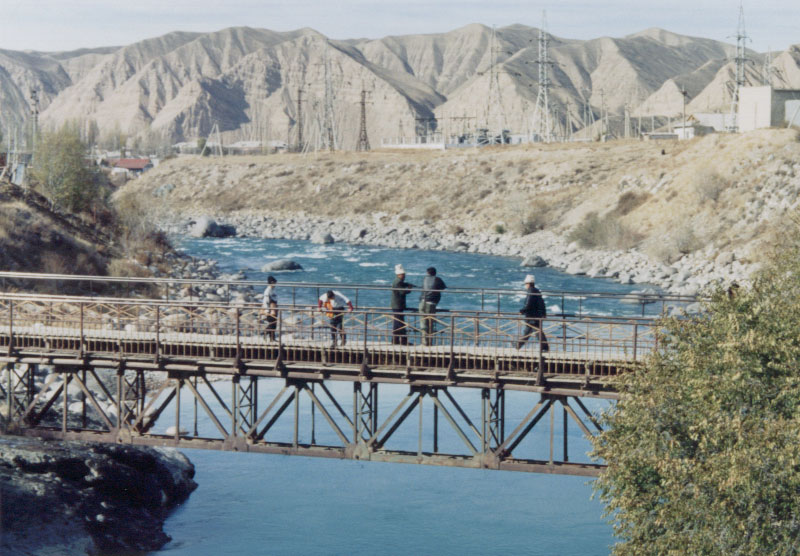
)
(363, 140)
(741, 60)
(494, 101)
(217, 149)
(328, 131)
(299, 123)
(767, 70)
(543, 124)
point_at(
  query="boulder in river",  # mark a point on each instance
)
(79, 498)
(534, 260)
(322, 239)
(208, 227)
(281, 264)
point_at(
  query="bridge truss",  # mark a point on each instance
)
(203, 375)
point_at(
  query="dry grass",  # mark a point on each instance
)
(474, 189)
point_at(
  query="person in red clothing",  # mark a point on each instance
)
(332, 303)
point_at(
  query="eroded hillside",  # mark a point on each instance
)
(665, 199)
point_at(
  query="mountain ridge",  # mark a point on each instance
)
(177, 86)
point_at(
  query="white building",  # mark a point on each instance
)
(761, 107)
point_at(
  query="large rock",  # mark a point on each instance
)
(78, 498)
(578, 267)
(281, 264)
(208, 227)
(534, 260)
(322, 239)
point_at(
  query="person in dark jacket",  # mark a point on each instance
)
(400, 289)
(533, 311)
(432, 287)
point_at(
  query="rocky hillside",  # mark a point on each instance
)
(696, 200)
(246, 80)
(34, 238)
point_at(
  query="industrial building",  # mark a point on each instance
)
(761, 107)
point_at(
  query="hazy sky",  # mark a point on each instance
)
(51, 25)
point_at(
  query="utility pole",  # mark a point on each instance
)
(741, 60)
(603, 116)
(34, 121)
(685, 96)
(627, 122)
(363, 140)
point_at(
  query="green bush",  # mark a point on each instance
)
(702, 448)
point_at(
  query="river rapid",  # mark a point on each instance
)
(265, 504)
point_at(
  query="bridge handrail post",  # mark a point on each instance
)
(366, 321)
(540, 370)
(452, 337)
(238, 336)
(635, 338)
(280, 331)
(81, 305)
(10, 327)
(158, 332)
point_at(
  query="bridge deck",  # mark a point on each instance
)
(183, 343)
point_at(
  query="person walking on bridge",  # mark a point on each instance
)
(432, 287)
(332, 303)
(270, 307)
(400, 289)
(533, 311)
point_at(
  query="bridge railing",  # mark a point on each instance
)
(153, 328)
(569, 302)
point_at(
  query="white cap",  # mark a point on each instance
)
(398, 269)
(529, 279)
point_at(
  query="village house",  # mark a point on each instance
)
(131, 167)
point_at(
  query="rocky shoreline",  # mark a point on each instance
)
(82, 498)
(690, 275)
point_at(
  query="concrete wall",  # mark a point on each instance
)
(755, 108)
(792, 113)
(761, 107)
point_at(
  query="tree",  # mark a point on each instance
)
(62, 172)
(703, 449)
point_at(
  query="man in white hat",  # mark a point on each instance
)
(400, 289)
(533, 311)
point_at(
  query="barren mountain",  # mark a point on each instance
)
(247, 81)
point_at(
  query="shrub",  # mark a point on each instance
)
(709, 185)
(702, 446)
(629, 201)
(684, 239)
(537, 219)
(499, 228)
(606, 232)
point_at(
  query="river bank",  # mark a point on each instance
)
(682, 215)
(690, 275)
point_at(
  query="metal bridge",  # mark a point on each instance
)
(146, 371)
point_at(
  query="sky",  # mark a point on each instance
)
(58, 25)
